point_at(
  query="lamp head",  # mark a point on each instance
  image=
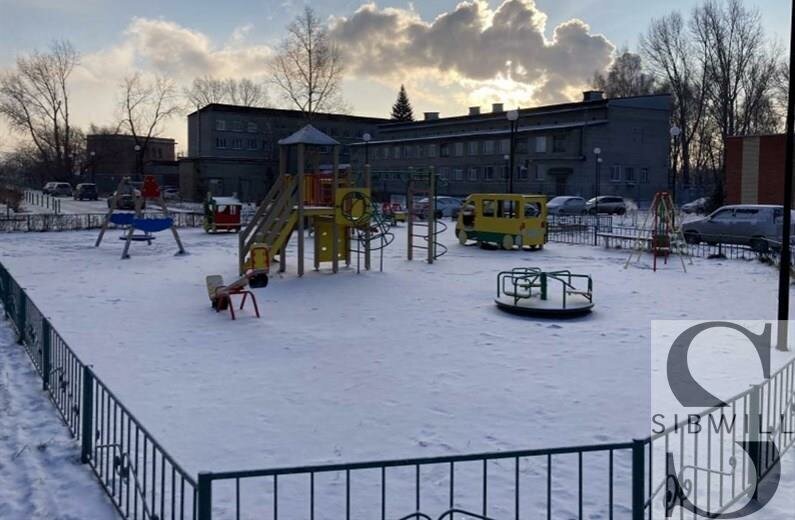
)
(597, 151)
(512, 115)
(367, 137)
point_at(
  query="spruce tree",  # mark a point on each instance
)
(401, 110)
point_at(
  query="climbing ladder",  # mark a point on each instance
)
(422, 183)
(376, 237)
(666, 238)
(273, 223)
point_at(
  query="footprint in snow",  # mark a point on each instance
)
(554, 327)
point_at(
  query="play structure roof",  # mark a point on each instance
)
(309, 135)
(227, 201)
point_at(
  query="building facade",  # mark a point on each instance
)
(111, 157)
(554, 149)
(233, 150)
(755, 169)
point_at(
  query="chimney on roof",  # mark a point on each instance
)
(474, 111)
(497, 108)
(431, 116)
(593, 95)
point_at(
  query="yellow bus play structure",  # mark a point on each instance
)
(505, 220)
(325, 200)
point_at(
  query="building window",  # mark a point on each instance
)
(444, 150)
(559, 144)
(432, 151)
(539, 173)
(644, 175)
(220, 125)
(251, 127)
(396, 152)
(615, 173)
(220, 142)
(541, 144)
(504, 172)
(488, 173)
(629, 174)
(252, 144)
(472, 147)
(237, 143)
(237, 126)
(504, 146)
(473, 174)
(444, 173)
(458, 174)
(488, 147)
(523, 174)
(459, 149)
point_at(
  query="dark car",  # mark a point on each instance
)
(126, 201)
(86, 191)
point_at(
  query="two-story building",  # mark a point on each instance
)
(234, 149)
(554, 149)
(111, 157)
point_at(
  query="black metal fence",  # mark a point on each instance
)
(618, 233)
(620, 480)
(140, 477)
(78, 222)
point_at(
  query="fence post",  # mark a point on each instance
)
(87, 409)
(638, 475)
(205, 499)
(21, 315)
(755, 428)
(46, 341)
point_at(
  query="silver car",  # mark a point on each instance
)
(609, 204)
(758, 226)
(445, 207)
(566, 205)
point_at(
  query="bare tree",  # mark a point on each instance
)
(145, 106)
(739, 66)
(245, 92)
(34, 98)
(308, 68)
(625, 77)
(206, 91)
(674, 59)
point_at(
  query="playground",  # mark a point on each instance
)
(412, 361)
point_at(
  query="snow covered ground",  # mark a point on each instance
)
(40, 472)
(415, 361)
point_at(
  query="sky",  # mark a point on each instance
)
(450, 54)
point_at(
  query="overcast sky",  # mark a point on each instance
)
(449, 54)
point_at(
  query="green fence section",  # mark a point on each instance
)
(619, 480)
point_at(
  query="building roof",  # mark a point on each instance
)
(309, 135)
(221, 107)
(647, 101)
(486, 133)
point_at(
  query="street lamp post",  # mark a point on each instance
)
(367, 138)
(138, 161)
(93, 155)
(513, 118)
(675, 133)
(598, 153)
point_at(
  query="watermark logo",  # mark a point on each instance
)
(714, 427)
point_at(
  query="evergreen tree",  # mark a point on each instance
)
(401, 110)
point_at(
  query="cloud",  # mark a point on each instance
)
(485, 49)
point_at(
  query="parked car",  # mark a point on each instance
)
(757, 226)
(86, 191)
(445, 207)
(126, 201)
(169, 192)
(566, 205)
(698, 206)
(58, 189)
(609, 204)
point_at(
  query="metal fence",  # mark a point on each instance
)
(617, 233)
(620, 480)
(140, 477)
(78, 222)
(37, 198)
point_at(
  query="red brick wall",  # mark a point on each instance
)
(734, 167)
(771, 168)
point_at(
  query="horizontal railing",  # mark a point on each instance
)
(79, 222)
(137, 473)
